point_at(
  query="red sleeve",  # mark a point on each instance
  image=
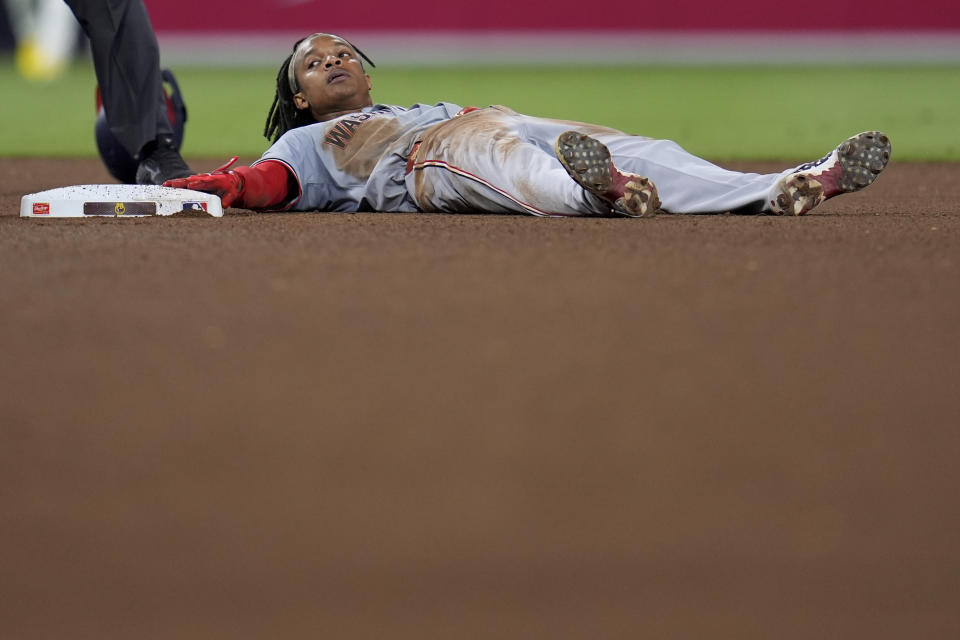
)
(267, 185)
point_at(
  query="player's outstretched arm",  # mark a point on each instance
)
(263, 186)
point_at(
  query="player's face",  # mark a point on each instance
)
(330, 77)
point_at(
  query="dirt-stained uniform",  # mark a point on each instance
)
(449, 159)
(358, 161)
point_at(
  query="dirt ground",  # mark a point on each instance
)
(434, 426)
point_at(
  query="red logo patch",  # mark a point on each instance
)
(41, 208)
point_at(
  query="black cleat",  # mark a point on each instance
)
(161, 162)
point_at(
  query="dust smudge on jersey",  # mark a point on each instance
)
(360, 141)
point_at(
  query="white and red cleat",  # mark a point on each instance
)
(853, 165)
(589, 163)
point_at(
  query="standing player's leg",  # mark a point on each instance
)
(127, 62)
(126, 59)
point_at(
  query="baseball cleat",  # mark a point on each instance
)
(853, 165)
(589, 163)
(162, 161)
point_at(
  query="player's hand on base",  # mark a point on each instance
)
(221, 181)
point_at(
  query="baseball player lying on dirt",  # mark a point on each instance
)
(335, 150)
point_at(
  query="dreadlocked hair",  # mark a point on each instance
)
(283, 114)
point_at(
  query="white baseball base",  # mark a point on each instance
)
(117, 200)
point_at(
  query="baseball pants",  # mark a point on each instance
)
(496, 160)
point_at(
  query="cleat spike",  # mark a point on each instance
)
(853, 165)
(588, 162)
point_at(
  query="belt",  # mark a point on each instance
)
(412, 158)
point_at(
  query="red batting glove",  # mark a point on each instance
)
(226, 184)
(267, 185)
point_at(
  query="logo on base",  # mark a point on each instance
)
(41, 208)
(119, 208)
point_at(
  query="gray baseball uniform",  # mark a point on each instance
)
(445, 159)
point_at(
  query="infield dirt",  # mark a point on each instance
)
(439, 426)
